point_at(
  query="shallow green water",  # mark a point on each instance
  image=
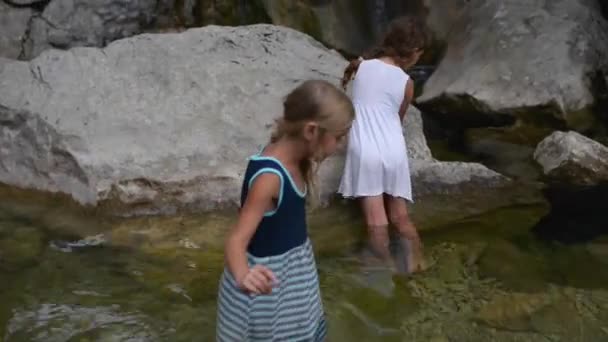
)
(155, 279)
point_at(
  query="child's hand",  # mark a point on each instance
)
(259, 280)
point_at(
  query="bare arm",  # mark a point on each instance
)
(407, 99)
(260, 199)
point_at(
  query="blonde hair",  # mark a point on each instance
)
(318, 101)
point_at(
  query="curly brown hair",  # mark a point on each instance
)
(405, 36)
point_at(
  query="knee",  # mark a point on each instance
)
(376, 222)
(400, 219)
(404, 226)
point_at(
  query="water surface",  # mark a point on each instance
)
(68, 274)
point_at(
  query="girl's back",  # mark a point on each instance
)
(381, 85)
(377, 161)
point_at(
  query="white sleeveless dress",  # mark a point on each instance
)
(376, 158)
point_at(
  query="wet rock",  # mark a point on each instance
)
(553, 313)
(599, 250)
(14, 27)
(496, 67)
(569, 157)
(512, 311)
(513, 268)
(447, 262)
(453, 177)
(87, 242)
(560, 317)
(179, 140)
(56, 322)
(507, 150)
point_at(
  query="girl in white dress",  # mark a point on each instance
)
(377, 169)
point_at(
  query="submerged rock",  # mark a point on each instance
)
(535, 60)
(20, 247)
(162, 122)
(512, 311)
(513, 267)
(570, 157)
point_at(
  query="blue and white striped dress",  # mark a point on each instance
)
(293, 311)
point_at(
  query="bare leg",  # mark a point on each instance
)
(377, 226)
(412, 244)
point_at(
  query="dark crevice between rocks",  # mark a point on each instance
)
(577, 215)
(26, 38)
(599, 88)
(604, 8)
(447, 119)
(36, 5)
(463, 110)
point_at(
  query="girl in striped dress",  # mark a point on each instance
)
(269, 290)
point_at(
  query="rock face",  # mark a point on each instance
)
(534, 59)
(161, 122)
(192, 13)
(347, 25)
(32, 26)
(70, 23)
(13, 29)
(570, 157)
(27, 27)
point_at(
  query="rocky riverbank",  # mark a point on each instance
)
(160, 123)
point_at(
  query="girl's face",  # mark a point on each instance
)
(324, 142)
(331, 141)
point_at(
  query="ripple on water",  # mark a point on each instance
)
(56, 322)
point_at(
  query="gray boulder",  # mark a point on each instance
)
(505, 59)
(162, 122)
(570, 157)
(70, 23)
(13, 29)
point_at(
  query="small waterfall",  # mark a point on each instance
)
(379, 16)
(242, 11)
(383, 11)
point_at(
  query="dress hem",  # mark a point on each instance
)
(353, 196)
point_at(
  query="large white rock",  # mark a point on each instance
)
(163, 122)
(537, 59)
(570, 157)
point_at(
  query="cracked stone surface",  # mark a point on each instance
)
(70, 23)
(14, 26)
(29, 27)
